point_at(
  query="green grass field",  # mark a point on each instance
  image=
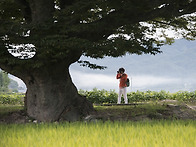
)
(162, 133)
(142, 133)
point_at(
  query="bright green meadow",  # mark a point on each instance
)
(165, 133)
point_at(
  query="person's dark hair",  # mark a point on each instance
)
(122, 69)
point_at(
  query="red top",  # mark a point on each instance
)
(123, 79)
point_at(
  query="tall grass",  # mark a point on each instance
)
(100, 134)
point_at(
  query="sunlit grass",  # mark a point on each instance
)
(100, 134)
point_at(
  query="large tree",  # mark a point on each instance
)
(47, 36)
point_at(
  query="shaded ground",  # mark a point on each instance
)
(132, 112)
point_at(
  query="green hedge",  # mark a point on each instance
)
(102, 96)
(12, 98)
(185, 96)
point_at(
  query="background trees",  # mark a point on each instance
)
(4, 82)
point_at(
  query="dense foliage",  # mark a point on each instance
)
(12, 98)
(71, 28)
(102, 96)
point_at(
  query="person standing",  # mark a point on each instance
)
(122, 85)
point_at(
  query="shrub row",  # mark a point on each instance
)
(102, 96)
(12, 98)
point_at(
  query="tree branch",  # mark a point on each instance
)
(169, 11)
(13, 64)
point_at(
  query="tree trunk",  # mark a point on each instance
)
(51, 96)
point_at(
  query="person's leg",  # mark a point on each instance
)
(125, 95)
(119, 96)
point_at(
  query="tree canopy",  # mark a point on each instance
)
(58, 30)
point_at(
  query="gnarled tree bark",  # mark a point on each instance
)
(51, 96)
